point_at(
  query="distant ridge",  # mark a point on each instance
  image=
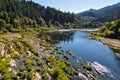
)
(102, 15)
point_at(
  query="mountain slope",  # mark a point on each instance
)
(102, 15)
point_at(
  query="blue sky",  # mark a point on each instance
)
(76, 6)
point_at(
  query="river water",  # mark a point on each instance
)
(88, 50)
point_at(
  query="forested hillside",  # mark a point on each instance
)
(111, 29)
(23, 13)
(106, 14)
(27, 52)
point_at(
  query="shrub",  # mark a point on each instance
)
(30, 76)
(9, 76)
(15, 56)
(75, 72)
(54, 73)
(37, 69)
(28, 61)
(22, 74)
(10, 50)
(58, 74)
(39, 62)
(87, 67)
(30, 47)
(45, 44)
(4, 64)
(44, 75)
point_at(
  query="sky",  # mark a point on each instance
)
(76, 6)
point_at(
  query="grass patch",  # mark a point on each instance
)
(15, 56)
(87, 67)
(9, 76)
(30, 47)
(4, 65)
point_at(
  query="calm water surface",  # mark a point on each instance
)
(89, 50)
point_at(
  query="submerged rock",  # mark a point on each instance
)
(118, 54)
(103, 71)
(82, 76)
(99, 68)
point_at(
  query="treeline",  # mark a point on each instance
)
(22, 13)
(111, 29)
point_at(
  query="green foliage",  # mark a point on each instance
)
(2, 24)
(60, 69)
(96, 18)
(87, 67)
(19, 46)
(54, 73)
(45, 44)
(37, 69)
(4, 65)
(22, 13)
(39, 62)
(109, 33)
(75, 72)
(15, 56)
(30, 47)
(10, 50)
(9, 76)
(22, 74)
(58, 74)
(111, 29)
(28, 61)
(44, 73)
(27, 75)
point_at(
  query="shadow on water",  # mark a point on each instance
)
(65, 36)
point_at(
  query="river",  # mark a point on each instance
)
(88, 50)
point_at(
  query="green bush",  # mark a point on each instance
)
(28, 61)
(44, 75)
(9, 76)
(54, 73)
(110, 34)
(27, 44)
(30, 76)
(58, 74)
(22, 74)
(10, 50)
(15, 56)
(45, 44)
(87, 67)
(37, 69)
(39, 62)
(4, 65)
(75, 72)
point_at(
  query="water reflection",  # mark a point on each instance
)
(59, 36)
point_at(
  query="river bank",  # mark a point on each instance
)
(112, 43)
(84, 29)
(33, 54)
